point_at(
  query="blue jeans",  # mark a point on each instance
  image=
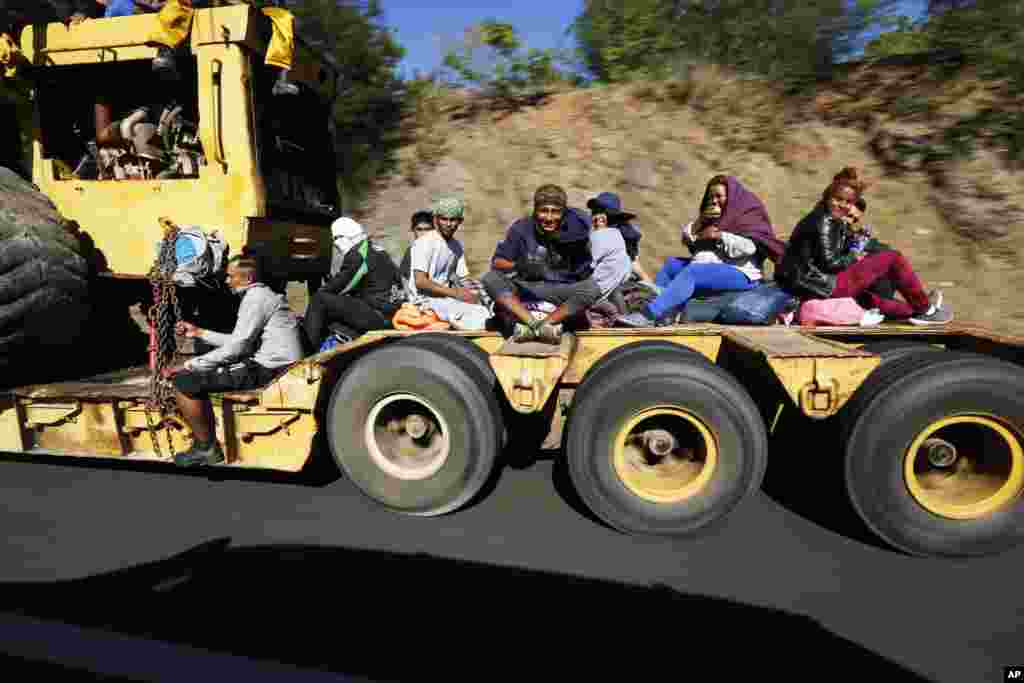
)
(679, 280)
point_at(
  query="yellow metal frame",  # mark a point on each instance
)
(273, 428)
(645, 484)
(230, 193)
(529, 380)
(940, 503)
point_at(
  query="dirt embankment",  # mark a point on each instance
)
(959, 217)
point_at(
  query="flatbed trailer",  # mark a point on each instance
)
(665, 430)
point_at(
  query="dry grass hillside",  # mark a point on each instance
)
(960, 220)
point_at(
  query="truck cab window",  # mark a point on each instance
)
(295, 149)
(119, 121)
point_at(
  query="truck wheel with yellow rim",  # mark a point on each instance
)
(413, 429)
(935, 455)
(476, 362)
(664, 443)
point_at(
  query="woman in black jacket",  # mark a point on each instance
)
(819, 264)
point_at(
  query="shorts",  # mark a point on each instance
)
(237, 377)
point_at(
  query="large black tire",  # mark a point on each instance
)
(435, 385)
(895, 355)
(44, 283)
(701, 405)
(619, 355)
(973, 507)
(891, 349)
(475, 360)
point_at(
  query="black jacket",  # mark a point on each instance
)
(380, 285)
(818, 251)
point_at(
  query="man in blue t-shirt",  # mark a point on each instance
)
(544, 257)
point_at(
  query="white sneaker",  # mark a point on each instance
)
(872, 318)
(934, 316)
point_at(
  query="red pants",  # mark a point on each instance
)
(855, 280)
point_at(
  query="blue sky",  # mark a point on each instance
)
(425, 28)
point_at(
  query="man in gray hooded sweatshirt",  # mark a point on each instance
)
(264, 342)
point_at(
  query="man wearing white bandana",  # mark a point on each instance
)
(439, 271)
(364, 290)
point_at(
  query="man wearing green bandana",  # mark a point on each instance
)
(439, 271)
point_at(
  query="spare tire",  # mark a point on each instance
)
(44, 303)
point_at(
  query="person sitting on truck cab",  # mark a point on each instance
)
(819, 264)
(544, 257)
(265, 323)
(175, 19)
(364, 290)
(437, 262)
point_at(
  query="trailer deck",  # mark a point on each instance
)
(105, 416)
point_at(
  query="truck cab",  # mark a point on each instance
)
(256, 167)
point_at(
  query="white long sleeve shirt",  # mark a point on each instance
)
(733, 250)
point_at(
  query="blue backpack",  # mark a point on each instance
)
(758, 306)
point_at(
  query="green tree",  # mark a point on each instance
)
(492, 57)
(989, 32)
(370, 106)
(782, 39)
(907, 37)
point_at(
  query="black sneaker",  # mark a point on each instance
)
(935, 314)
(198, 455)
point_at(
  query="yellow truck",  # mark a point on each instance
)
(249, 169)
(665, 431)
(267, 174)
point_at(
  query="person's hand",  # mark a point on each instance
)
(530, 270)
(76, 18)
(709, 231)
(467, 295)
(688, 235)
(187, 329)
(167, 119)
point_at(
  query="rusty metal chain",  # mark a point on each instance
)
(163, 316)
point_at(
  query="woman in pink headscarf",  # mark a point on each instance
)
(729, 242)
